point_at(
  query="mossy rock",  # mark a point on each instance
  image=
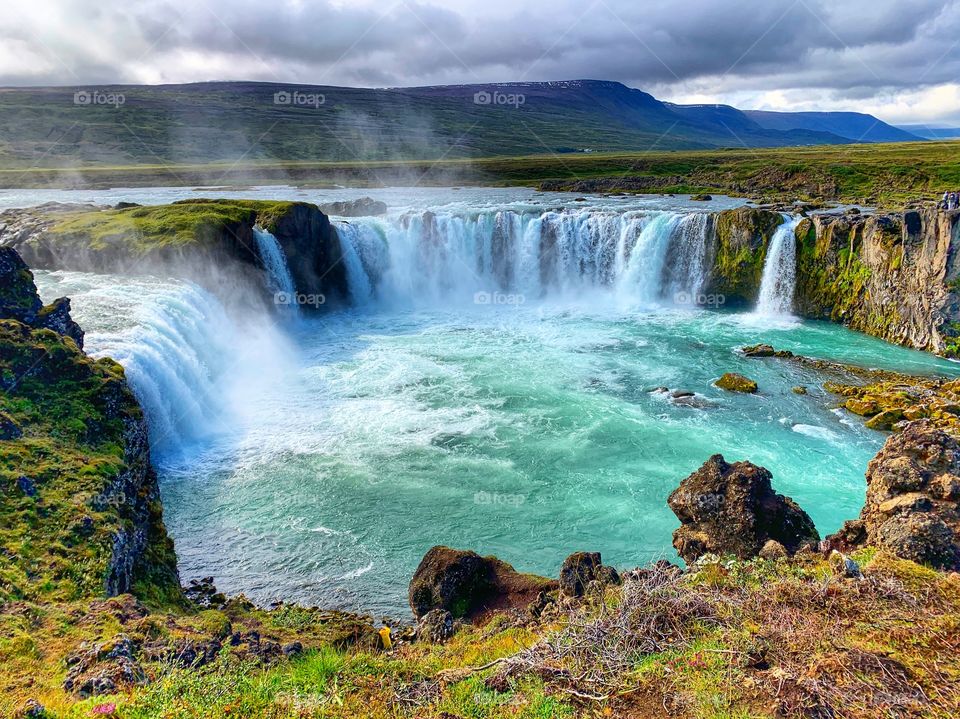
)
(733, 382)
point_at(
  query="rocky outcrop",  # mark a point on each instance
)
(741, 240)
(582, 570)
(361, 207)
(20, 301)
(913, 499)
(732, 509)
(469, 586)
(197, 239)
(74, 427)
(733, 382)
(893, 276)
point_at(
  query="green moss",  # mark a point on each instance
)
(743, 236)
(148, 228)
(57, 528)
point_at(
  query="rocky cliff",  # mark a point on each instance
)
(79, 501)
(895, 276)
(203, 240)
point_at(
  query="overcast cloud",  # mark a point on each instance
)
(898, 60)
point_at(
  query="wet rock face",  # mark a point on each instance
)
(732, 509)
(892, 276)
(468, 585)
(913, 498)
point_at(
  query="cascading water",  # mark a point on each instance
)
(777, 285)
(277, 458)
(431, 257)
(275, 263)
(193, 370)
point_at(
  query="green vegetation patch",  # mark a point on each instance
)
(54, 541)
(147, 228)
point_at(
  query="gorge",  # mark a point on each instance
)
(476, 362)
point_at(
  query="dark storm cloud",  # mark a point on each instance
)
(707, 47)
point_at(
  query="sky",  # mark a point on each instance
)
(897, 60)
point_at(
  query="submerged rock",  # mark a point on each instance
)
(913, 499)
(732, 509)
(468, 585)
(733, 382)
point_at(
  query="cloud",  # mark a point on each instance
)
(899, 58)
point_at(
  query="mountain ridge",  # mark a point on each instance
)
(257, 121)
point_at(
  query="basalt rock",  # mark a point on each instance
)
(436, 626)
(581, 569)
(732, 509)
(198, 239)
(19, 300)
(913, 499)
(54, 388)
(893, 276)
(469, 586)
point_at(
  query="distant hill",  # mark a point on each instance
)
(932, 133)
(257, 122)
(855, 126)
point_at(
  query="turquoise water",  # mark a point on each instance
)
(317, 459)
(527, 435)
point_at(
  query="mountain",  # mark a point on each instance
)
(855, 126)
(229, 122)
(931, 133)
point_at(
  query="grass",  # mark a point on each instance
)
(881, 174)
(152, 227)
(56, 536)
(730, 639)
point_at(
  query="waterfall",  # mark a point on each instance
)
(779, 271)
(429, 258)
(197, 371)
(278, 274)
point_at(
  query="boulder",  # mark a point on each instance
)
(732, 509)
(912, 506)
(760, 350)
(360, 207)
(469, 586)
(733, 382)
(436, 626)
(577, 571)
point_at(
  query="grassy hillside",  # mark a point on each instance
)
(885, 174)
(252, 122)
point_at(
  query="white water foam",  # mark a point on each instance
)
(778, 283)
(432, 258)
(279, 279)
